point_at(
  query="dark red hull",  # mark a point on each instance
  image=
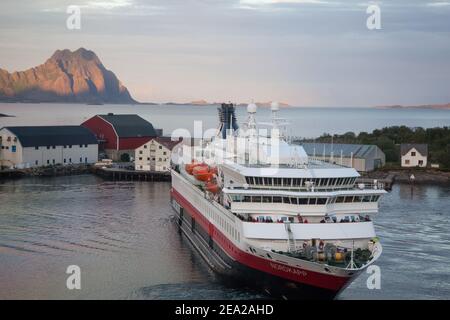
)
(278, 278)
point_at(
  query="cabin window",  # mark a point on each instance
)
(339, 199)
(302, 201)
(321, 201)
(286, 200)
(247, 199)
(358, 198)
(348, 199)
(294, 201)
(276, 199)
(312, 201)
(256, 199)
(266, 199)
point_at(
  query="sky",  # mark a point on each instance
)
(303, 52)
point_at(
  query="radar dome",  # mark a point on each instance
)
(251, 108)
(274, 106)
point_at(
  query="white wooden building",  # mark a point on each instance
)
(414, 155)
(154, 155)
(36, 146)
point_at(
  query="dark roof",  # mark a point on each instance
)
(130, 125)
(53, 135)
(358, 150)
(422, 148)
(167, 142)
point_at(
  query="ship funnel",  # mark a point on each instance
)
(227, 118)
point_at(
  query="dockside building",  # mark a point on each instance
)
(36, 146)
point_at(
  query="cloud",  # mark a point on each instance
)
(438, 4)
(108, 5)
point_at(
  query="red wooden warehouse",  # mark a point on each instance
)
(120, 134)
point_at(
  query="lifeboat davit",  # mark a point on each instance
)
(212, 187)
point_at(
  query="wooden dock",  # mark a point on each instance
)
(118, 174)
(385, 183)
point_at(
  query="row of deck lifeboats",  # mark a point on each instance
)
(204, 173)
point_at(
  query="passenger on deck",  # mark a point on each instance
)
(300, 219)
(305, 221)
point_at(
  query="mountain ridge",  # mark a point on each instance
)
(67, 76)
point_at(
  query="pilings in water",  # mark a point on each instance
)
(131, 175)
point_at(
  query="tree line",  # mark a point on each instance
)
(389, 139)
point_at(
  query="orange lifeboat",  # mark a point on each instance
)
(190, 166)
(212, 187)
(202, 173)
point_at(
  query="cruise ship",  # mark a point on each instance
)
(260, 210)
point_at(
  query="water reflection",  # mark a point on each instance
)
(122, 237)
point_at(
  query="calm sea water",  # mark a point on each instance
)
(122, 237)
(305, 122)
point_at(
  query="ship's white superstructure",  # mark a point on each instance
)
(254, 204)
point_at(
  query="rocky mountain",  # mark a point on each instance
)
(77, 76)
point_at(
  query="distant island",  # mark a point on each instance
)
(426, 106)
(206, 103)
(66, 77)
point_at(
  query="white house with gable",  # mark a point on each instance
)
(414, 155)
(154, 155)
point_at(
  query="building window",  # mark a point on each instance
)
(70, 146)
(48, 161)
(140, 158)
(148, 159)
(54, 147)
(70, 160)
(160, 147)
(48, 147)
(164, 153)
(53, 161)
(13, 148)
(85, 145)
(420, 162)
(65, 146)
(81, 146)
(145, 146)
(85, 160)
(36, 162)
(36, 148)
(140, 151)
(406, 161)
(64, 160)
(81, 159)
(413, 153)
